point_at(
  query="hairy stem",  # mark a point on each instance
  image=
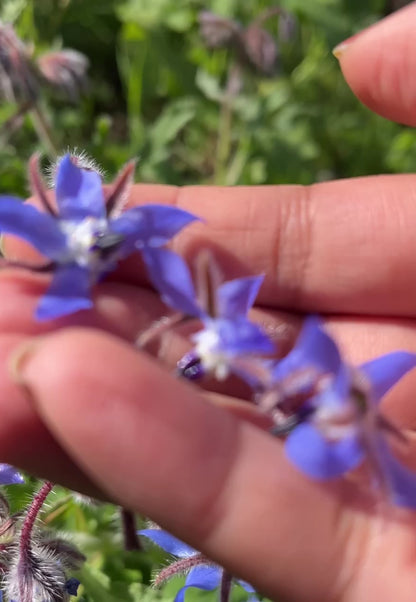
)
(26, 538)
(31, 516)
(158, 328)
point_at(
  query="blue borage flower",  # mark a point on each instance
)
(228, 335)
(9, 475)
(86, 235)
(333, 412)
(201, 572)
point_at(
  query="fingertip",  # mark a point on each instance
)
(379, 63)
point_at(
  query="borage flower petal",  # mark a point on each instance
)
(9, 475)
(150, 225)
(168, 542)
(236, 297)
(79, 192)
(68, 292)
(171, 277)
(384, 372)
(206, 578)
(39, 229)
(319, 458)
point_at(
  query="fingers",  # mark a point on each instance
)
(339, 247)
(119, 308)
(336, 247)
(379, 65)
(154, 445)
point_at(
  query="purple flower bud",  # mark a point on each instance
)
(260, 49)
(190, 367)
(18, 79)
(217, 31)
(65, 70)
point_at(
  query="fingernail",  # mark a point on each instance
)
(19, 359)
(339, 50)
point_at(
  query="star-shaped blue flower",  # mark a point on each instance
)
(337, 422)
(228, 335)
(201, 572)
(85, 236)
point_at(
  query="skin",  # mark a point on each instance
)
(81, 406)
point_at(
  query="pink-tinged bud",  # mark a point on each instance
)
(65, 70)
(18, 79)
(217, 31)
(259, 49)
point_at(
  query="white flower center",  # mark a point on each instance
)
(212, 360)
(82, 236)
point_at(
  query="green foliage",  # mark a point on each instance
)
(158, 93)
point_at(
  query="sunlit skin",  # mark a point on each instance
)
(97, 414)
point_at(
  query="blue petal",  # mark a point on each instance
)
(71, 586)
(169, 543)
(79, 192)
(9, 475)
(151, 225)
(206, 578)
(171, 277)
(319, 458)
(249, 588)
(69, 292)
(341, 387)
(401, 480)
(240, 337)
(385, 371)
(314, 348)
(39, 229)
(236, 297)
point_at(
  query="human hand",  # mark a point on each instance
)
(103, 415)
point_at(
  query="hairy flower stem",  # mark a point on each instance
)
(225, 587)
(158, 328)
(180, 567)
(31, 515)
(26, 535)
(130, 537)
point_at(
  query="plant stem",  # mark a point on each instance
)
(225, 587)
(31, 516)
(223, 141)
(24, 563)
(43, 131)
(128, 522)
(232, 88)
(159, 327)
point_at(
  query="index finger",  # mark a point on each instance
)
(336, 247)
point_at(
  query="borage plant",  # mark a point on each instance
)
(326, 411)
(200, 571)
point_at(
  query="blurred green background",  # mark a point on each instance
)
(156, 93)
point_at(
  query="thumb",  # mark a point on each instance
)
(217, 482)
